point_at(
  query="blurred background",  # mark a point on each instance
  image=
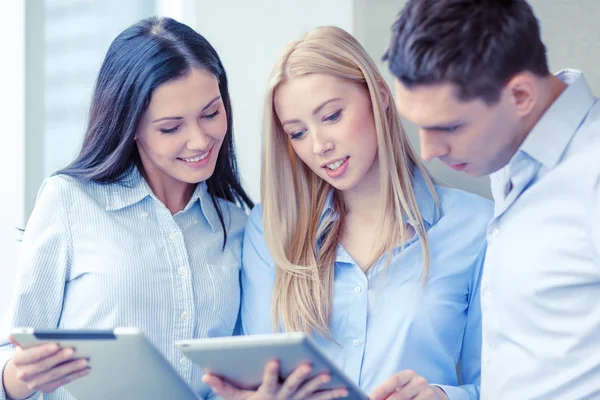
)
(51, 51)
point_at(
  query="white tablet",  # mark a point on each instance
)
(124, 364)
(241, 359)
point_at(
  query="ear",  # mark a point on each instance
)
(523, 92)
(385, 94)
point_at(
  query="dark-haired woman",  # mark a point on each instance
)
(145, 227)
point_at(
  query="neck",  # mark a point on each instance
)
(364, 198)
(174, 194)
(549, 90)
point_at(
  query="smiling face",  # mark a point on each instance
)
(182, 130)
(468, 136)
(329, 122)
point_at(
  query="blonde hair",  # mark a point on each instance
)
(304, 248)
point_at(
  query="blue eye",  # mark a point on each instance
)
(170, 130)
(298, 134)
(333, 117)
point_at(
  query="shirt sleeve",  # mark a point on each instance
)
(470, 356)
(257, 278)
(44, 259)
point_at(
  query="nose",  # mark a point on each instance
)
(321, 144)
(432, 146)
(198, 140)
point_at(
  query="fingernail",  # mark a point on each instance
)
(83, 363)
(326, 378)
(53, 347)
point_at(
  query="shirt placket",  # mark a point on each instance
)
(183, 308)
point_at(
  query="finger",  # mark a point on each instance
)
(270, 382)
(311, 386)
(391, 384)
(425, 396)
(212, 380)
(416, 386)
(14, 342)
(52, 386)
(58, 373)
(222, 388)
(30, 371)
(330, 394)
(34, 354)
(293, 381)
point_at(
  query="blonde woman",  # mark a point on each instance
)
(353, 244)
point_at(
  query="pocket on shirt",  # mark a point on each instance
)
(225, 290)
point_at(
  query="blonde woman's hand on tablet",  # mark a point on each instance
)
(407, 385)
(295, 386)
(42, 368)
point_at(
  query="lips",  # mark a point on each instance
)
(337, 168)
(197, 158)
(335, 164)
(458, 167)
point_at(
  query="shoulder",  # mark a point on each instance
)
(465, 209)
(76, 192)
(255, 221)
(235, 215)
(58, 187)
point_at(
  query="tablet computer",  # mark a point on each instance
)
(124, 364)
(242, 359)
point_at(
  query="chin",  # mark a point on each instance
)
(341, 185)
(475, 174)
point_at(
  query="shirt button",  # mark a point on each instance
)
(357, 289)
(355, 343)
(486, 360)
(144, 214)
(183, 361)
(195, 221)
(173, 236)
(495, 232)
(488, 295)
(181, 272)
(185, 315)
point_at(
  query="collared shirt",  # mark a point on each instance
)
(102, 256)
(541, 281)
(385, 321)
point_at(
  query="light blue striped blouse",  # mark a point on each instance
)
(100, 256)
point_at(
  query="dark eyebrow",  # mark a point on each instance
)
(315, 112)
(210, 103)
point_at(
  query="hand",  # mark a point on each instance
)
(42, 368)
(295, 386)
(407, 385)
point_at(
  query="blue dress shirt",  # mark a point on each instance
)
(541, 281)
(385, 321)
(101, 256)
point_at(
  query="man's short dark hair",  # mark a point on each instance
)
(479, 45)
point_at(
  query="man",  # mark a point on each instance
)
(473, 76)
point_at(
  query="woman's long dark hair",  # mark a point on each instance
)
(141, 58)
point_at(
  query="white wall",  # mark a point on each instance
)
(249, 36)
(12, 140)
